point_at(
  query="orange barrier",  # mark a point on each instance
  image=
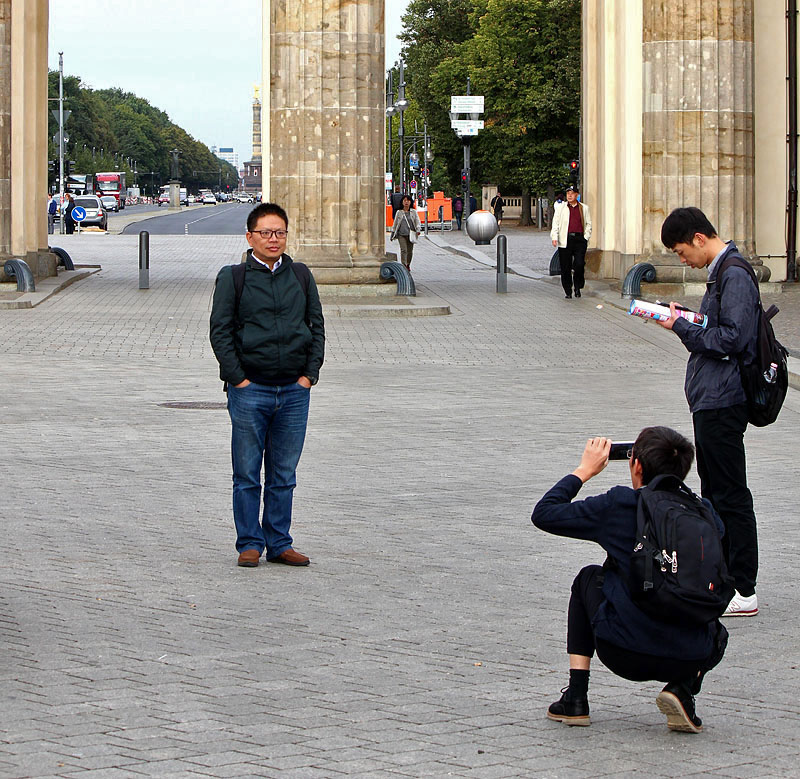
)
(438, 199)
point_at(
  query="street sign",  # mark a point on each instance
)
(388, 181)
(466, 126)
(466, 104)
(78, 214)
(413, 184)
(54, 112)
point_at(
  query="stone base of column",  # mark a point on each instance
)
(342, 270)
(43, 263)
(615, 265)
(174, 194)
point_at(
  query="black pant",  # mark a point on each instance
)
(587, 595)
(458, 218)
(573, 260)
(719, 440)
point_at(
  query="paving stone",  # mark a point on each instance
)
(427, 636)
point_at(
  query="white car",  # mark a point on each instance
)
(209, 198)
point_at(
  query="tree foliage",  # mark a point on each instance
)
(110, 129)
(524, 57)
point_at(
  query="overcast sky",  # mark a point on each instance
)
(196, 60)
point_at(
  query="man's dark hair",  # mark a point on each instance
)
(663, 450)
(682, 225)
(265, 209)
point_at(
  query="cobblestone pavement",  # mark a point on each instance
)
(427, 636)
(530, 250)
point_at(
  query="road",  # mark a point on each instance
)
(222, 219)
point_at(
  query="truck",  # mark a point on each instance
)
(79, 183)
(112, 183)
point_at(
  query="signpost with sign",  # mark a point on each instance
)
(78, 215)
(472, 106)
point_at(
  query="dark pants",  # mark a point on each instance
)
(458, 219)
(573, 260)
(719, 440)
(587, 595)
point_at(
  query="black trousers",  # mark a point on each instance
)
(573, 261)
(719, 441)
(586, 597)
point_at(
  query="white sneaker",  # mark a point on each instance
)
(741, 606)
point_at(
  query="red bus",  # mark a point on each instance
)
(112, 184)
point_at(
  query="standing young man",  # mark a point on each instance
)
(52, 208)
(714, 389)
(270, 347)
(571, 231)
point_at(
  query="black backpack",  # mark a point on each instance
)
(766, 379)
(677, 568)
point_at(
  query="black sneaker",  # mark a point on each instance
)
(570, 711)
(577, 293)
(678, 705)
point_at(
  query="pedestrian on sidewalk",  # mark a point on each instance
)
(66, 209)
(458, 209)
(497, 206)
(406, 228)
(268, 335)
(52, 209)
(396, 200)
(572, 228)
(714, 389)
(602, 616)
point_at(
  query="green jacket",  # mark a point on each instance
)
(280, 333)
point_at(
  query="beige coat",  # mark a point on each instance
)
(561, 223)
(413, 221)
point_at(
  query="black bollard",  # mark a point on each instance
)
(502, 263)
(144, 260)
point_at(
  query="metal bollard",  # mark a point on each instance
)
(144, 260)
(502, 263)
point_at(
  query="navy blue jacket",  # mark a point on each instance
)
(712, 373)
(610, 520)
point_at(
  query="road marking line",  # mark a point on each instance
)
(210, 215)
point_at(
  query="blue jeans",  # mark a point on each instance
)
(268, 425)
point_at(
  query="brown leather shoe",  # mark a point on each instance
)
(249, 558)
(290, 557)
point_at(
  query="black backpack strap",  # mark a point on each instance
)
(735, 260)
(238, 271)
(302, 274)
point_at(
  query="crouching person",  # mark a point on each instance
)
(603, 616)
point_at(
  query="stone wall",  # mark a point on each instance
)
(5, 130)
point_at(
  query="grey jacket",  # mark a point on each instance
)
(712, 373)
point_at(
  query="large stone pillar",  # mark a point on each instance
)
(698, 117)
(28, 133)
(323, 132)
(668, 102)
(5, 130)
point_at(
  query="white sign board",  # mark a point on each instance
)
(466, 125)
(466, 104)
(388, 182)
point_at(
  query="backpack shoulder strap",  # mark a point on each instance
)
(302, 274)
(238, 271)
(735, 260)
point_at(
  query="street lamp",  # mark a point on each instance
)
(390, 112)
(400, 106)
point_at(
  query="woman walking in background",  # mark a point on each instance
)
(406, 229)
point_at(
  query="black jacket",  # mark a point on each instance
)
(279, 334)
(610, 520)
(712, 373)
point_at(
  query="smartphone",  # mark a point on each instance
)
(620, 450)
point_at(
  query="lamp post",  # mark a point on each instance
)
(401, 106)
(390, 112)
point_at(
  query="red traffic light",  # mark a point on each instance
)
(573, 165)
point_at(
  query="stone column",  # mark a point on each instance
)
(697, 121)
(323, 132)
(5, 130)
(28, 163)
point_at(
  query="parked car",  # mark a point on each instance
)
(191, 200)
(109, 202)
(209, 198)
(96, 215)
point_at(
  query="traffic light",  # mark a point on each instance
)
(464, 178)
(574, 170)
(573, 166)
(69, 167)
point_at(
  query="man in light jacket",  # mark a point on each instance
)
(572, 228)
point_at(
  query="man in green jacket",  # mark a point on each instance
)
(270, 344)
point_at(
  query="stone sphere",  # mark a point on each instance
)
(481, 227)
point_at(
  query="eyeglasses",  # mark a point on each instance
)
(629, 454)
(267, 234)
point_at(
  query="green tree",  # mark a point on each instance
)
(524, 57)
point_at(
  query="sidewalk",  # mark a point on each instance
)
(530, 250)
(427, 636)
